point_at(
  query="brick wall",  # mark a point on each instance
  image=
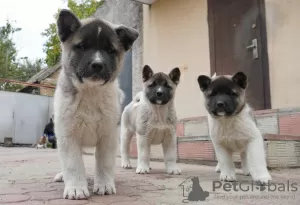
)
(280, 129)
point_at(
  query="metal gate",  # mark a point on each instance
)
(23, 116)
(125, 78)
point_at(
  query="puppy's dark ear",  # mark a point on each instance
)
(147, 73)
(127, 36)
(204, 82)
(175, 75)
(240, 78)
(67, 24)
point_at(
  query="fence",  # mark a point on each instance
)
(23, 116)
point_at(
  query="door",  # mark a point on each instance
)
(238, 43)
(7, 102)
(125, 78)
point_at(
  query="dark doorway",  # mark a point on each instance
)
(238, 42)
(125, 78)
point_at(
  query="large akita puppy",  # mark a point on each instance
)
(87, 100)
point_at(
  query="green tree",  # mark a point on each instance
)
(10, 66)
(8, 56)
(30, 67)
(83, 9)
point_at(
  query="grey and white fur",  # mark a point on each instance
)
(232, 127)
(87, 100)
(151, 117)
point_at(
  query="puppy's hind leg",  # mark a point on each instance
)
(217, 169)
(59, 177)
(126, 136)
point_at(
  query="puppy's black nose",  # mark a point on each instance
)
(97, 66)
(159, 93)
(220, 104)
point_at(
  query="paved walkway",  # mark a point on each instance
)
(26, 179)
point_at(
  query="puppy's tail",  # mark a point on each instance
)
(136, 100)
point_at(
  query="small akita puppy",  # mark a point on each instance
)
(86, 102)
(232, 127)
(151, 117)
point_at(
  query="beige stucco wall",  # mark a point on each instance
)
(176, 35)
(283, 31)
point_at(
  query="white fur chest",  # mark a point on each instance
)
(89, 115)
(159, 127)
(159, 132)
(233, 132)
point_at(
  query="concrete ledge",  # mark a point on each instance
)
(276, 137)
(276, 121)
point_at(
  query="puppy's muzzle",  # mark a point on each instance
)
(220, 105)
(221, 108)
(97, 67)
(97, 71)
(159, 93)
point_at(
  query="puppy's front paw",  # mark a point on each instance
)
(104, 189)
(73, 192)
(263, 180)
(227, 177)
(59, 177)
(142, 170)
(246, 172)
(173, 170)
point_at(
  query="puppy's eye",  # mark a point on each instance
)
(233, 93)
(80, 46)
(212, 94)
(152, 84)
(111, 50)
(167, 85)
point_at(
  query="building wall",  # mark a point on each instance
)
(283, 30)
(129, 13)
(176, 34)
